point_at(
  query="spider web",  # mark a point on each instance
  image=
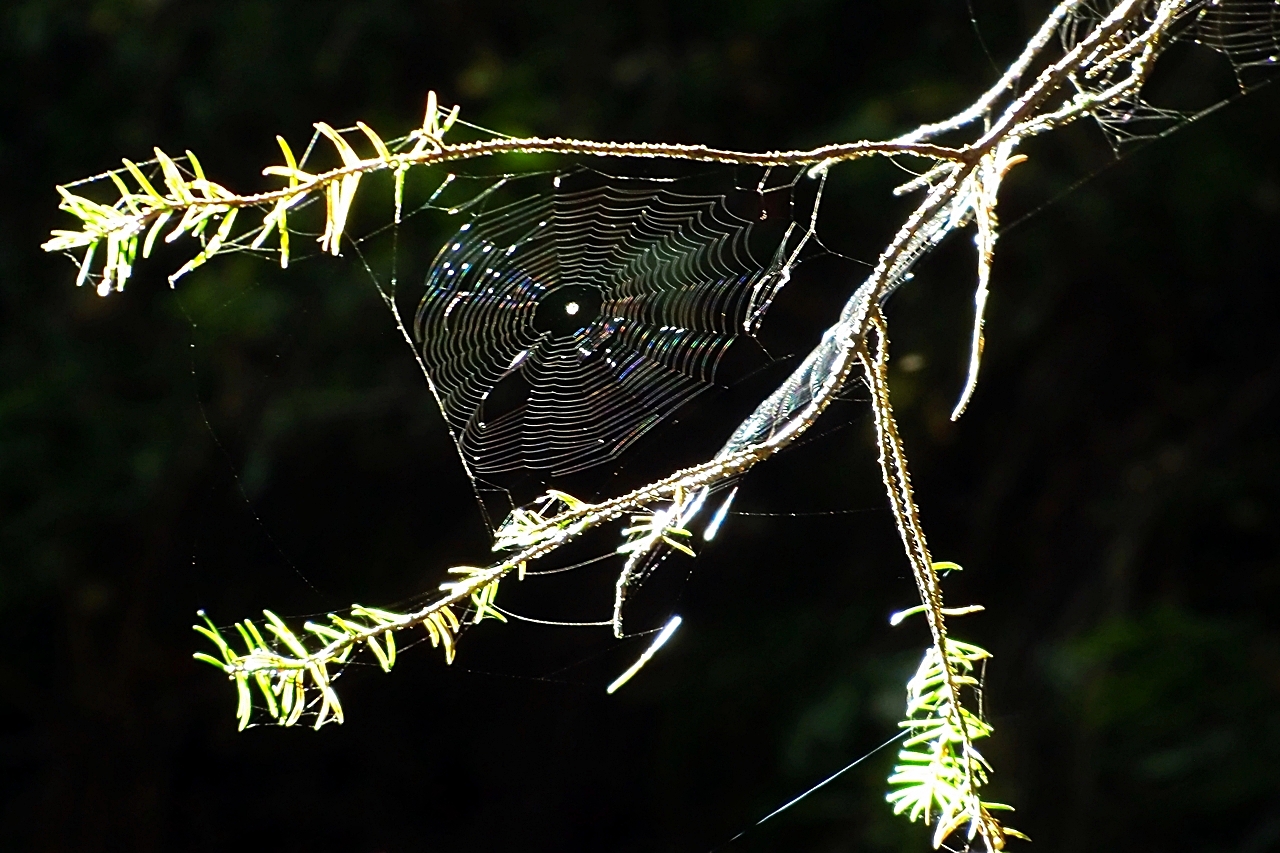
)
(573, 311)
(569, 313)
(1246, 33)
(560, 328)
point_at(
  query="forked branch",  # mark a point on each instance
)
(940, 772)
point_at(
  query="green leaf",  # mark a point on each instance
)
(324, 631)
(375, 140)
(345, 151)
(288, 158)
(284, 240)
(195, 166)
(244, 708)
(215, 635)
(154, 231)
(379, 653)
(142, 180)
(86, 263)
(224, 230)
(173, 177)
(286, 635)
(399, 193)
(125, 195)
(299, 700)
(190, 265)
(257, 636)
(264, 687)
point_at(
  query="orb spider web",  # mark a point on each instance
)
(1244, 33)
(575, 310)
(560, 328)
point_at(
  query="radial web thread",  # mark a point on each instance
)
(561, 327)
(1246, 33)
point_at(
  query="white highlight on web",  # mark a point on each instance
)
(658, 642)
(713, 527)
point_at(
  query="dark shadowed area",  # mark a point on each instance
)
(253, 439)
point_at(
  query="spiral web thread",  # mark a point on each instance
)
(561, 327)
(680, 283)
(678, 258)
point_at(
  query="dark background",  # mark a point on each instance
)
(1112, 491)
